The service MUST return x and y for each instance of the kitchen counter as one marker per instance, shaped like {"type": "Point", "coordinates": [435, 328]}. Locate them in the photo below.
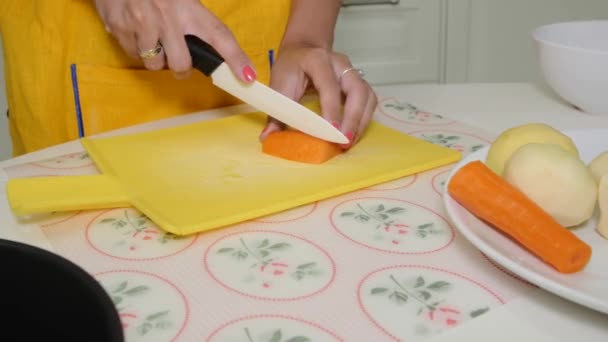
{"type": "Point", "coordinates": [531, 313]}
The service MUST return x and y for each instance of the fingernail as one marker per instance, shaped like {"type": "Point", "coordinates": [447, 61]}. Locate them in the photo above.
{"type": "Point", "coordinates": [349, 136]}
{"type": "Point", "coordinates": [264, 132]}
{"type": "Point", "coordinates": [249, 74]}
{"type": "Point", "coordinates": [155, 66]}
{"type": "Point", "coordinates": [336, 124]}
{"type": "Point", "coordinates": [181, 75]}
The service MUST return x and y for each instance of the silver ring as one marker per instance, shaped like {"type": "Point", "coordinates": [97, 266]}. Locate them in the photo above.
{"type": "Point", "coordinates": [359, 71]}
{"type": "Point", "coordinates": [147, 54]}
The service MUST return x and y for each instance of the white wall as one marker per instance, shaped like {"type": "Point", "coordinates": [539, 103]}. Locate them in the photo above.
{"type": "Point", "coordinates": [5, 141]}
{"type": "Point", "coordinates": [453, 40]}
{"type": "Point", "coordinates": [500, 47]}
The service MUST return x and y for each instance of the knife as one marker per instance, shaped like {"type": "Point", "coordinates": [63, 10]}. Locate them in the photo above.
{"type": "Point", "coordinates": [208, 61]}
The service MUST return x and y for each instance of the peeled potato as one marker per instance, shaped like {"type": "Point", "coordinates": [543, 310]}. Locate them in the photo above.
{"type": "Point", "coordinates": [602, 225]}
{"type": "Point", "coordinates": [599, 169]}
{"type": "Point", "coordinates": [513, 138]}
{"type": "Point", "coordinates": [557, 180]}
{"type": "Point", "coordinates": [599, 165]}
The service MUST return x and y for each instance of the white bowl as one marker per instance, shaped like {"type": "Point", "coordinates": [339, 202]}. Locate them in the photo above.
{"type": "Point", "coordinates": [573, 57]}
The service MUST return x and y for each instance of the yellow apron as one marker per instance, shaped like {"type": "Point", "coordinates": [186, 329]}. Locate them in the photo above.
{"type": "Point", "coordinates": [67, 77]}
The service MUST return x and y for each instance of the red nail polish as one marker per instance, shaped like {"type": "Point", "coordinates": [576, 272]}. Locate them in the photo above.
{"type": "Point", "coordinates": [349, 136]}
{"type": "Point", "coordinates": [336, 124]}
{"type": "Point", "coordinates": [249, 74]}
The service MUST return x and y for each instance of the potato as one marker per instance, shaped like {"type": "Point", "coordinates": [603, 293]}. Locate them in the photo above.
{"type": "Point", "coordinates": [513, 138]}
{"type": "Point", "coordinates": [599, 169]}
{"type": "Point", "coordinates": [599, 166]}
{"type": "Point", "coordinates": [557, 180]}
{"type": "Point", "coordinates": [602, 224]}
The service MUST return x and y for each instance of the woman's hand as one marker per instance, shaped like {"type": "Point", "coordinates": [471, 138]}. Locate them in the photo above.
{"type": "Point", "coordinates": [298, 67]}
{"type": "Point", "coordinates": [139, 25]}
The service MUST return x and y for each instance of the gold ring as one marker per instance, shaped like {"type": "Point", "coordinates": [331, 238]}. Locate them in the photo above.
{"type": "Point", "coordinates": [359, 71]}
{"type": "Point", "coordinates": [147, 54]}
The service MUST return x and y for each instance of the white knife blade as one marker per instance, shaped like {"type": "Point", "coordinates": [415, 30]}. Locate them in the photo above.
{"type": "Point", "coordinates": [261, 97]}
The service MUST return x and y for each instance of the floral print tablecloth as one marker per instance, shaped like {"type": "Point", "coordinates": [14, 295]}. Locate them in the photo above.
{"type": "Point", "coordinates": [379, 264]}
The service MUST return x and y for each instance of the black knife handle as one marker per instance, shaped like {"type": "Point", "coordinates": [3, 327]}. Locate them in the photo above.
{"type": "Point", "coordinates": [204, 57]}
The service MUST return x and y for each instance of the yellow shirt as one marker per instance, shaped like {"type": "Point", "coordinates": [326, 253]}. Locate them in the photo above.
{"type": "Point", "coordinates": [67, 77]}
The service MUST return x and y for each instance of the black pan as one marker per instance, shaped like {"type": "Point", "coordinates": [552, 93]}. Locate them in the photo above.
{"type": "Point", "coordinates": [44, 294]}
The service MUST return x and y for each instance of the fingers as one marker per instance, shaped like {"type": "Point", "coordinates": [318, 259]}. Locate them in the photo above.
{"type": "Point", "coordinates": [298, 67]}
{"type": "Point", "coordinates": [368, 113]}
{"type": "Point", "coordinates": [286, 84]}
{"type": "Point", "coordinates": [272, 125]}
{"type": "Point", "coordinates": [320, 71]}
{"type": "Point", "coordinates": [148, 44]}
{"type": "Point", "coordinates": [176, 51]}
{"type": "Point", "coordinates": [137, 27]}
{"type": "Point", "coordinates": [140, 25]}
{"type": "Point", "coordinates": [289, 79]}
{"type": "Point", "coordinates": [115, 25]}
{"type": "Point", "coordinates": [357, 97]}
{"type": "Point", "coordinates": [128, 42]}
{"type": "Point", "coordinates": [294, 70]}
{"type": "Point", "coordinates": [360, 100]}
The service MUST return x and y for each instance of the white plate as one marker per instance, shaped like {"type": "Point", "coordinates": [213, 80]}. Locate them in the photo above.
{"type": "Point", "coordinates": [588, 287]}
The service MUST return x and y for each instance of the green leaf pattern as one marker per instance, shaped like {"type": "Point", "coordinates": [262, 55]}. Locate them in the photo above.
{"type": "Point", "coordinates": [390, 221]}
{"type": "Point", "coordinates": [428, 297]}
{"type": "Point", "coordinates": [455, 142]}
{"type": "Point", "coordinates": [412, 113]}
{"type": "Point", "coordinates": [137, 229]}
{"type": "Point", "coordinates": [275, 336]}
{"type": "Point", "coordinates": [265, 259]}
{"type": "Point", "coordinates": [159, 320]}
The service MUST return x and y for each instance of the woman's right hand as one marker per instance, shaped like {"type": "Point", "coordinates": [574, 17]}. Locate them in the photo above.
{"type": "Point", "coordinates": [139, 25]}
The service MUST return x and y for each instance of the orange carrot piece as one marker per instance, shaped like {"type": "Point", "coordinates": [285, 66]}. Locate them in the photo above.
{"type": "Point", "coordinates": [497, 202]}
{"type": "Point", "coordinates": [298, 146]}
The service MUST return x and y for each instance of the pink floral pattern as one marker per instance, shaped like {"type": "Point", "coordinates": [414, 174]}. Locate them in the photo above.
{"type": "Point", "coordinates": [128, 234]}
{"type": "Point", "coordinates": [241, 283]}
{"type": "Point", "coordinates": [47, 220]}
{"type": "Point", "coordinates": [150, 307]}
{"type": "Point", "coordinates": [392, 225]}
{"type": "Point", "coordinates": [461, 142]}
{"type": "Point", "coordinates": [270, 265]}
{"type": "Point", "coordinates": [430, 299]}
{"type": "Point", "coordinates": [72, 164]}
{"type": "Point", "coordinates": [409, 113]}
{"type": "Point", "coordinates": [272, 328]}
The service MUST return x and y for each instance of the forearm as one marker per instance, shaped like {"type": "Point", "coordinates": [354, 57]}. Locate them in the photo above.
{"type": "Point", "coordinates": [312, 23]}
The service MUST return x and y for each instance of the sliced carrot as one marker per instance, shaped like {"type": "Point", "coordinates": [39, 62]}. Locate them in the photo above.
{"type": "Point", "coordinates": [298, 146]}
{"type": "Point", "coordinates": [495, 201]}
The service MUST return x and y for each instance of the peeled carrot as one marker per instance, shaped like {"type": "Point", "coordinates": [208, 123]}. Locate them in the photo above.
{"type": "Point", "coordinates": [497, 202]}
{"type": "Point", "coordinates": [298, 146]}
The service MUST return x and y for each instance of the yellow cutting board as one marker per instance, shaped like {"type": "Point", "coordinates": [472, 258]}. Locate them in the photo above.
{"type": "Point", "coordinates": [206, 175]}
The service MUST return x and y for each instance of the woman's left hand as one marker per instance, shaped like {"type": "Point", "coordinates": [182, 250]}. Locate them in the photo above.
{"type": "Point", "coordinates": [299, 67]}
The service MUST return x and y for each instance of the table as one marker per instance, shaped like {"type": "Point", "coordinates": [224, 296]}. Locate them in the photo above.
{"type": "Point", "coordinates": [516, 309]}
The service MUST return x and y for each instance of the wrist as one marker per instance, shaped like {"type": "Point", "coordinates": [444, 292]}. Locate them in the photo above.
{"type": "Point", "coordinates": [310, 27]}
{"type": "Point", "coordinates": [306, 43]}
